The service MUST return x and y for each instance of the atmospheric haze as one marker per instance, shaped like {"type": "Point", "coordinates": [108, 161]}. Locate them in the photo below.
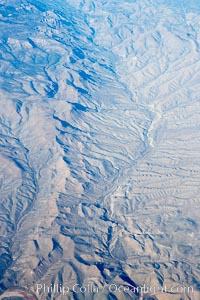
{"type": "Point", "coordinates": [100, 150]}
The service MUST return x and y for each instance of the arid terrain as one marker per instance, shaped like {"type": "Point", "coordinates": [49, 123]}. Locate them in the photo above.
{"type": "Point", "coordinates": [100, 150]}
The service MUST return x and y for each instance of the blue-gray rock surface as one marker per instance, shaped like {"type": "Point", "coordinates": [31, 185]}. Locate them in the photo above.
{"type": "Point", "coordinates": [100, 149]}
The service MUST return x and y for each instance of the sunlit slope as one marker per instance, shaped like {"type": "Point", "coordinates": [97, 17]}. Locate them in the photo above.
{"type": "Point", "coordinates": [99, 146]}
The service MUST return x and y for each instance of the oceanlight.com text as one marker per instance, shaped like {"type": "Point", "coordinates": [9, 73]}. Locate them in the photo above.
{"type": "Point", "coordinates": [114, 288]}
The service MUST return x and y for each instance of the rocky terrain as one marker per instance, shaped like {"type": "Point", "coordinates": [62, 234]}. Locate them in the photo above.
{"type": "Point", "coordinates": [99, 149]}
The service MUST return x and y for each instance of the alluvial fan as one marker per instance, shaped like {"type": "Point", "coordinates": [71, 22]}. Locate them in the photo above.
{"type": "Point", "coordinates": [99, 149]}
